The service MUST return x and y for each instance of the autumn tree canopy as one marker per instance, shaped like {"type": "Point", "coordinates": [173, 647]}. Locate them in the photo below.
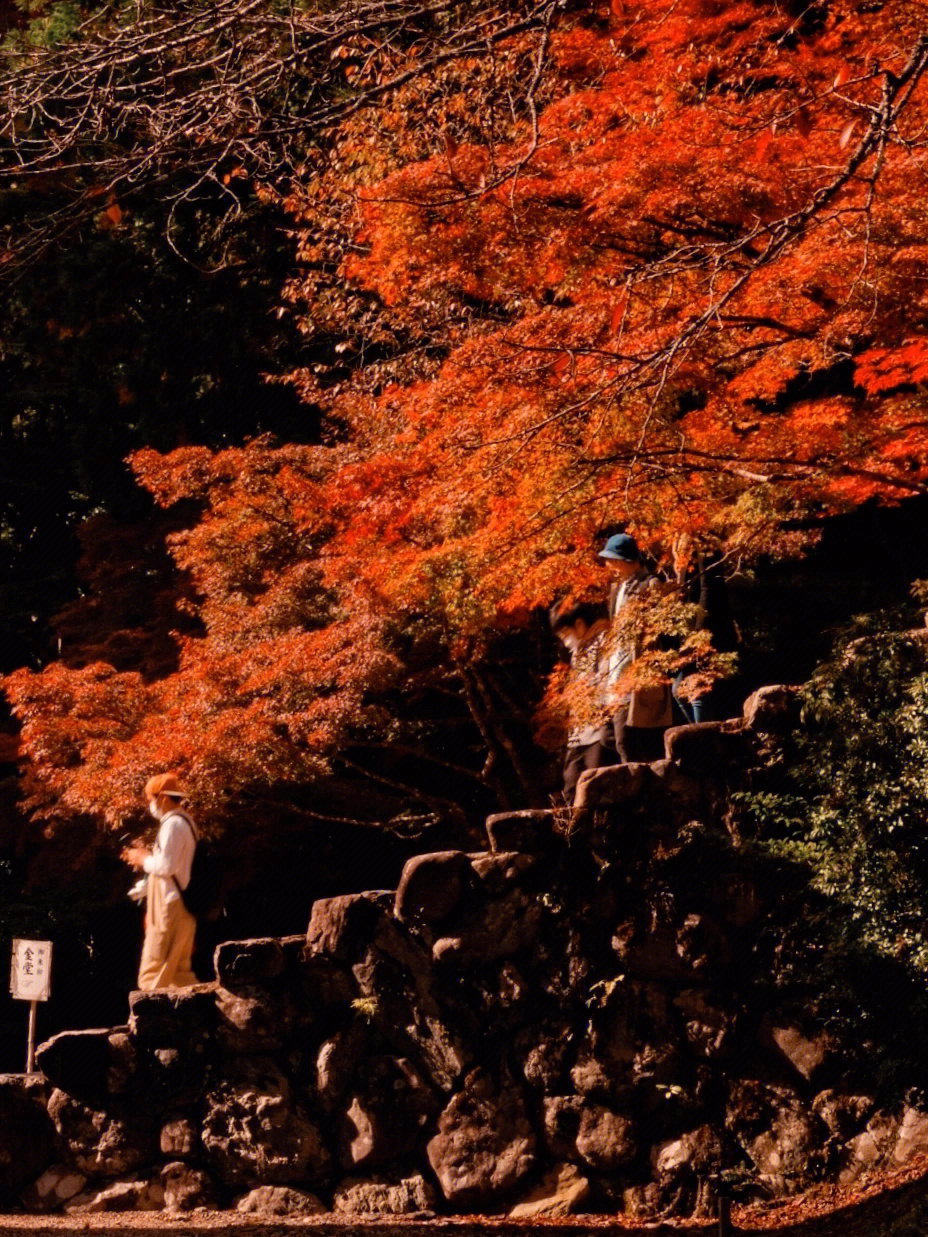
{"type": "Point", "coordinates": [659, 266]}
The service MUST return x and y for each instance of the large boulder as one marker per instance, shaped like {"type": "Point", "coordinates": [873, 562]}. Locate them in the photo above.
{"type": "Point", "coordinates": [80, 1063]}
{"type": "Point", "coordinates": [683, 1166]}
{"type": "Point", "coordinates": [55, 1187]}
{"type": "Point", "coordinates": [643, 1201]}
{"type": "Point", "coordinates": [179, 1139]}
{"type": "Point", "coordinates": [319, 984]}
{"type": "Point", "coordinates": [772, 709]}
{"type": "Point", "coordinates": [605, 1139]}
{"type": "Point", "coordinates": [256, 1133]}
{"type": "Point", "coordinates": [172, 1017]}
{"type": "Point", "coordinates": [403, 1196]}
{"type": "Point", "coordinates": [389, 1105]}
{"type": "Point", "coordinates": [871, 1150]}
{"type": "Point", "coordinates": [343, 927]}
{"type": "Point", "coordinates": [498, 871]}
{"type": "Point", "coordinates": [394, 976]}
{"type": "Point", "coordinates": [137, 1194]}
{"type": "Point", "coordinates": [485, 1145]}
{"type": "Point", "coordinates": [577, 1129]}
{"type": "Point", "coordinates": [500, 927]}
{"type": "Point", "coordinates": [186, 1187]}
{"type": "Point", "coordinates": [546, 1050]}
{"type": "Point", "coordinates": [888, 1141]}
{"type": "Point", "coordinates": [169, 1079]}
{"type": "Point", "coordinates": [646, 794]}
{"type": "Point", "coordinates": [100, 1144]}
{"type": "Point", "coordinates": [807, 1052]}
{"type": "Point", "coordinates": [843, 1115]}
{"type": "Point", "coordinates": [253, 1020]}
{"type": "Point", "coordinates": [26, 1133]}
{"type": "Point", "coordinates": [593, 1075]}
{"type": "Point", "coordinates": [243, 963]}
{"type": "Point", "coordinates": [279, 1200]}
{"type": "Point", "coordinates": [776, 1131]}
{"type": "Point", "coordinates": [624, 1017]}
{"type": "Point", "coordinates": [337, 1058]}
{"type": "Point", "coordinates": [123, 1064]}
{"type": "Point", "coordinates": [562, 1191]}
{"type": "Point", "coordinates": [667, 783]}
{"type": "Point", "coordinates": [432, 885]}
{"type": "Point", "coordinates": [615, 784]}
{"type": "Point", "coordinates": [913, 1135]}
{"type": "Point", "coordinates": [529, 831]}
{"type": "Point", "coordinates": [706, 748]}
{"type": "Point", "coordinates": [96, 1067]}
{"type": "Point", "coordinates": [785, 1155]}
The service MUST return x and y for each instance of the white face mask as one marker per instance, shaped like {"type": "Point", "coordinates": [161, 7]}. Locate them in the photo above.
{"type": "Point", "coordinates": [153, 808]}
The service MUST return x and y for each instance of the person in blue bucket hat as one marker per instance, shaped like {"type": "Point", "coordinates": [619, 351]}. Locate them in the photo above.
{"type": "Point", "coordinates": [622, 548]}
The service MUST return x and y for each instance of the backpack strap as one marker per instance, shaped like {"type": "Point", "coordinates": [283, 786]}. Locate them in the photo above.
{"type": "Point", "coordinates": [193, 833]}
{"type": "Point", "coordinates": [187, 821]}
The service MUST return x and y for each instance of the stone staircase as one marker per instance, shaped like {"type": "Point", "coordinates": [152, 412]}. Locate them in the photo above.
{"type": "Point", "coordinates": [572, 1021]}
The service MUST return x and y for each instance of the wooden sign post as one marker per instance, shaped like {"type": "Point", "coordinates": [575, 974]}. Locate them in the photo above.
{"type": "Point", "coordinates": [30, 980]}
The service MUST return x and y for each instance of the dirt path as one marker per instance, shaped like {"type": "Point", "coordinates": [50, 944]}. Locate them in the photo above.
{"type": "Point", "coordinates": [878, 1208]}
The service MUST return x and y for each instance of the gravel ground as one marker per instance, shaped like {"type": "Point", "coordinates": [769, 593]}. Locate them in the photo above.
{"type": "Point", "coordinates": [870, 1209]}
{"type": "Point", "coordinates": [154, 1224]}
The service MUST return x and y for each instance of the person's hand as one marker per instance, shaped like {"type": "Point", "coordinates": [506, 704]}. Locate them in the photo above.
{"type": "Point", "coordinates": [135, 856]}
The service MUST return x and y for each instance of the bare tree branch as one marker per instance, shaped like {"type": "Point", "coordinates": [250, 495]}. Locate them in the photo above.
{"type": "Point", "coordinates": [187, 97]}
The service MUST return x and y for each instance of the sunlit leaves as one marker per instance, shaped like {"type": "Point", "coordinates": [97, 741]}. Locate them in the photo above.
{"type": "Point", "coordinates": [680, 298]}
{"type": "Point", "coordinates": [884, 369]}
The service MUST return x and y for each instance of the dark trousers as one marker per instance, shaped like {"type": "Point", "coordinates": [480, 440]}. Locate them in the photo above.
{"type": "Point", "coordinates": [579, 759]}
{"type": "Point", "coordinates": [636, 743]}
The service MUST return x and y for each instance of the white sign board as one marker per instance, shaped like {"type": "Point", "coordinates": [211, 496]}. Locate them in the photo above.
{"type": "Point", "coordinates": [30, 978]}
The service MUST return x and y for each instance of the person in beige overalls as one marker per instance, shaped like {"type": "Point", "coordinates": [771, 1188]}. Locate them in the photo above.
{"type": "Point", "coordinates": [167, 954]}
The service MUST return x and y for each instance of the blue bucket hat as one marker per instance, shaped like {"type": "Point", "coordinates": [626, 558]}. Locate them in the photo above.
{"type": "Point", "coordinates": [621, 547]}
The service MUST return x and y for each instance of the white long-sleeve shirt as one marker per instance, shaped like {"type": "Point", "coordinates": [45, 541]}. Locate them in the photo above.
{"type": "Point", "coordinates": [173, 855]}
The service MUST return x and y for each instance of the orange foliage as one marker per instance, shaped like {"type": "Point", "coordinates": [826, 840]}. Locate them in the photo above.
{"type": "Point", "coordinates": [886, 369]}
{"type": "Point", "coordinates": [687, 297]}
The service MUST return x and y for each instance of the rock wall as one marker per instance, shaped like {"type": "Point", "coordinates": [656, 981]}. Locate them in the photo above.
{"type": "Point", "coordinates": [573, 1020]}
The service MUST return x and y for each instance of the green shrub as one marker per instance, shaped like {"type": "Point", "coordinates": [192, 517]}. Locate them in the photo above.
{"type": "Point", "coordinates": [852, 809]}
